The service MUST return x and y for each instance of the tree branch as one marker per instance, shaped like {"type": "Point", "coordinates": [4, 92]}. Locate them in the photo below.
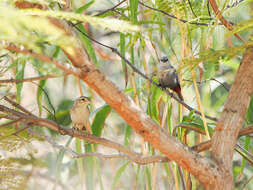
{"type": "Point", "coordinates": [222, 19]}
{"type": "Point", "coordinates": [31, 79]}
{"type": "Point", "coordinates": [110, 9]}
{"type": "Point", "coordinates": [136, 70]}
{"type": "Point", "coordinates": [172, 16]}
{"type": "Point", "coordinates": [207, 144]}
{"type": "Point", "coordinates": [232, 119]}
{"type": "Point", "coordinates": [32, 119]}
{"type": "Point", "coordinates": [140, 159]}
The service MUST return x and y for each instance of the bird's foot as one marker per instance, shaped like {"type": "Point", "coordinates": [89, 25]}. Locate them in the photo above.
{"type": "Point", "coordinates": [161, 86]}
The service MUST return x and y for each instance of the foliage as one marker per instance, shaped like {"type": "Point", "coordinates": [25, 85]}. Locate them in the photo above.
{"type": "Point", "coordinates": [142, 35]}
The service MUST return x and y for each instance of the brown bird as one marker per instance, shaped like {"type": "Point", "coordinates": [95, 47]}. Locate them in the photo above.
{"type": "Point", "coordinates": [168, 77]}
{"type": "Point", "coordinates": [80, 114]}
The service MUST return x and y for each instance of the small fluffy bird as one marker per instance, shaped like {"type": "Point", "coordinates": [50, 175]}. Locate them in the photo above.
{"type": "Point", "coordinates": [80, 114]}
{"type": "Point", "coordinates": [168, 77]}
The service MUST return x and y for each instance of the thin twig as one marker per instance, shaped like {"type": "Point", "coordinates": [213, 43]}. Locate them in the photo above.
{"type": "Point", "coordinates": [209, 80]}
{"type": "Point", "coordinates": [191, 8]}
{"type": "Point", "coordinates": [207, 144]}
{"type": "Point", "coordinates": [234, 4]}
{"type": "Point", "coordinates": [247, 182]}
{"type": "Point", "coordinates": [30, 119]}
{"type": "Point", "coordinates": [27, 79]}
{"type": "Point", "coordinates": [188, 127]}
{"type": "Point", "coordinates": [142, 160]}
{"type": "Point", "coordinates": [10, 123]}
{"type": "Point", "coordinates": [49, 102]}
{"type": "Point", "coordinates": [17, 105]}
{"type": "Point", "coordinates": [68, 69]}
{"type": "Point", "coordinates": [110, 9]}
{"type": "Point", "coordinates": [174, 17]}
{"type": "Point", "coordinates": [208, 9]}
{"type": "Point", "coordinates": [130, 155]}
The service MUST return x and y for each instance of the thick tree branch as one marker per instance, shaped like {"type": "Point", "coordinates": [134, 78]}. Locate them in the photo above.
{"type": "Point", "coordinates": [232, 119]}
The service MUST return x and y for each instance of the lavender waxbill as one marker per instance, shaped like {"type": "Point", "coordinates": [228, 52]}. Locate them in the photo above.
{"type": "Point", "coordinates": [168, 77]}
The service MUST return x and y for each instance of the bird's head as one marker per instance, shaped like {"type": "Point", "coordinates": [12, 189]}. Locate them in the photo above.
{"type": "Point", "coordinates": [164, 64]}
{"type": "Point", "coordinates": [83, 100]}
{"type": "Point", "coordinates": [164, 59]}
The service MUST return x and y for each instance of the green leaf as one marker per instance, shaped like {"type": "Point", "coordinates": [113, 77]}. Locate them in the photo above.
{"type": "Point", "coordinates": [118, 175]}
{"type": "Point", "coordinates": [196, 122]}
{"type": "Point", "coordinates": [123, 52]}
{"type": "Point", "coordinates": [40, 92]}
{"type": "Point", "coordinates": [62, 113]}
{"type": "Point", "coordinates": [128, 131]}
{"type": "Point", "coordinates": [246, 147]}
{"type": "Point", "coordinates": [87, 43]}
{"type": "Point", "coordinates": [80, 165]}
{"type": "Point", "coordinates": [148, 175]}
{"type": "Point", "coordinates": [249, 115]}
{"type": "Point", "coordinates": [99, 120]}
{"type": "Point", "coordinates": [59, 159]}
{"type": "Point", "coordinates": [84, 7]}
{"type": "Point", "coordinates": [157, 94]}
{"type": "Point", "coordinates": [133, 10]}
{"type": "Point", "coordinates": [20, 68]}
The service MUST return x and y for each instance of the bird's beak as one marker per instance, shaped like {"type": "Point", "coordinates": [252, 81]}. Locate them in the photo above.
{"type": "Point", "coordinates": [89, 100]}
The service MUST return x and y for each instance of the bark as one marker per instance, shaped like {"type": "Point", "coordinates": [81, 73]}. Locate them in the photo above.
{"type": "Point", "coordinates": [232, 120]}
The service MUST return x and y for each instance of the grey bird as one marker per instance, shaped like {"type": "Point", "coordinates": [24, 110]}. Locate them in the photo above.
{"type": "Point", "coordinates": [80, 114]}
{"type": "Point", "coordinates": [168, 77]}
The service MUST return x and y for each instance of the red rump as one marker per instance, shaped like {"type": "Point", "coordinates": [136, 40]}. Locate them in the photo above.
{"type": "Point", "coordinates": [178, 91]}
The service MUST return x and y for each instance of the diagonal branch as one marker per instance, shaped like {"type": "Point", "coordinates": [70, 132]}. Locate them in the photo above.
{"type": "Point", "coordinates": [110, 9]}
{"type": "Point", "coordinates": [136, 70]}
{"type": "Point", "coordinates": [222, 19]}
{"type": "Point", "coordinates": [172, 16]}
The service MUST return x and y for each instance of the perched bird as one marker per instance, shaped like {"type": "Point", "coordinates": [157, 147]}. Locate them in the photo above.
{"type": "Point", "coordinates": [80, 114]}
{"type": "Point", "coordinates": [168, 77]}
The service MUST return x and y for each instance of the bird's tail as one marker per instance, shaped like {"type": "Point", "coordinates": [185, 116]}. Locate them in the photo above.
{"type": "Point", "coordinates": [178, 91]}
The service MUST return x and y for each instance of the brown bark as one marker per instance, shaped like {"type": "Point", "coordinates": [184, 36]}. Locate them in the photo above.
{"type": "Point", "coordinates": [232, 119]}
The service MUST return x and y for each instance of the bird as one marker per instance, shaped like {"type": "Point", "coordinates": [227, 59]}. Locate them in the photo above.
{"type": "Point", "coordinates": [168, 77]}
{"type": "Point", "coordinates": [79, 114]}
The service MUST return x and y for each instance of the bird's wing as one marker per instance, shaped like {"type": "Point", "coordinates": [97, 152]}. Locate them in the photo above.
{"type": "Point", "coordinates": [87, 124]}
